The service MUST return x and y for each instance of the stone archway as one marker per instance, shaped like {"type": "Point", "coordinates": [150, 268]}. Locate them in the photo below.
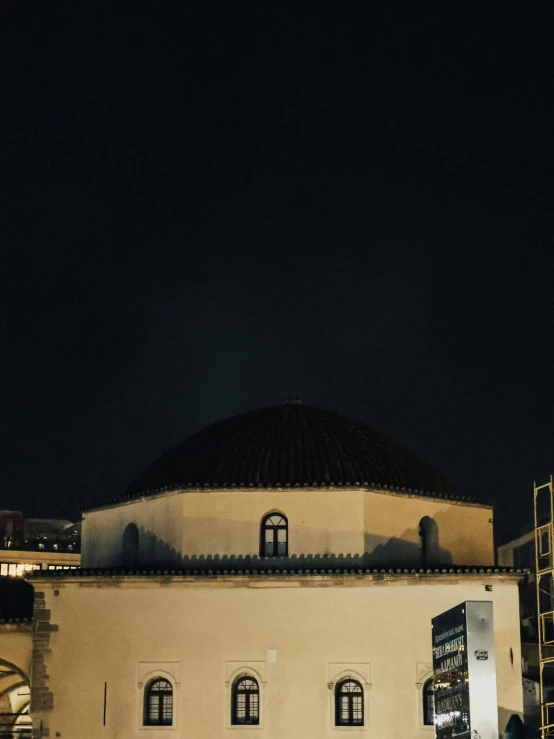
{"type": "Point", "coordinates": [15, 697]}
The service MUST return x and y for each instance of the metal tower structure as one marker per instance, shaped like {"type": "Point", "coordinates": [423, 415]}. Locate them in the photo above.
{"type": "Point", "coordinates": [544, 572]}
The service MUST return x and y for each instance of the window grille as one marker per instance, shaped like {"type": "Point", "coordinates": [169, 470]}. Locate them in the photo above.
{"type": "Point", "coordinates": [428, 703]}
{"type": "Point", "coordinates": [349, 703]}
{"type": "Point", "coordinates": [16, 725]}
{"type": "Point", "coordinates": [158, 703]}
{"type": "Point", "coordinates": [274, 536]}
{"type": "Point", "coordinates": [245, 701]}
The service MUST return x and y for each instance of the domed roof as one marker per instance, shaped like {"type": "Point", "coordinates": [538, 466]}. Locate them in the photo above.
{"type": "Point", "coordinates": [290, 445]}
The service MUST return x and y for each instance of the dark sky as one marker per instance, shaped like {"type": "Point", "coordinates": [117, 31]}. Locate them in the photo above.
{"type": "Point", "coordinates": [208, 211]}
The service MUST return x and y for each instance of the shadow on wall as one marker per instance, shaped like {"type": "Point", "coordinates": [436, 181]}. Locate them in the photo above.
{"type": "Point", "coordinates": [425, 551]}
{"type": "Point", "coordinates": [417, 547]}
{"type": "Point", "coordinates": [130, 546]}
{"type": "Point", "coordinates": [381, 551]}
{"type": "Point", "coordinates": [142, 548]}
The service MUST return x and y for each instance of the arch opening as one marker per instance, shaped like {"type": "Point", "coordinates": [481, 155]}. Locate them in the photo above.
{"type": "Point", "coordinates": [130, 546]}
{"type": "Point", "coordinates": [429, 541]}
{"type": "Point", "coordinates": [349, 703]}
{"type": "Point", "coordinates": [158, 703]}
{"type": "Point", "coordinates": [274, 535]}
{"type": "Point", "coordinates": [245, 708]}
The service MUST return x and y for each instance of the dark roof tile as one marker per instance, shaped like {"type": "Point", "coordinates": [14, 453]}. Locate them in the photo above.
{"type": "Point", "coordinates": [290, 445]}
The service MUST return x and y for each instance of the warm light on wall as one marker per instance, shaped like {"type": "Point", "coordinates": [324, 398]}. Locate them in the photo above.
{"type": "Point", "coordinates": [17, 569]}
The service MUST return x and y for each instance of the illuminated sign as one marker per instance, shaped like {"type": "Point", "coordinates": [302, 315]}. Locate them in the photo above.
{"type": "Point", "coordinates": [465, 673]}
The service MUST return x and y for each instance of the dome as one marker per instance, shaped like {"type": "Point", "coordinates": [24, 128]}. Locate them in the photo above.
{"type": "Point", "coordinates": [290, 445]}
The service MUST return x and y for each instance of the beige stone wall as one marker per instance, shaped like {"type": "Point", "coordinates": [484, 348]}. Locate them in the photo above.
{"type": "Point", "coordinates": [465, 531]}
{"type": "Point", "coordinates": [321, 521]}
{"type": "Point", "coordinates": [296, 634]}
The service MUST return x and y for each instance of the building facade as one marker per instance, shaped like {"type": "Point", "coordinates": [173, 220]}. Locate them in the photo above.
{"type": "Point", "coordinates": [274, 575]}
{"type": "Point", "coordinates": [28, 544]}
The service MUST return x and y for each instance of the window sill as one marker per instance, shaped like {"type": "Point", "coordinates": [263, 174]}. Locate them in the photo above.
{"type": "Point", "coordinates": [243, 727]}
{"type": "Point", "coordinates": [349, 726]}
{"type": "Point", "coordinates": [158, 728]}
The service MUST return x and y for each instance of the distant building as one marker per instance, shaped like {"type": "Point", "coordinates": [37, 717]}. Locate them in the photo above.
{"type": "Point", "coordinates": [275, 575]}
{"type": "Point", "coordinates": [520, 553]}
{"type": "Point", "coordinates": [25, 545]}
{"type": "Point", "coordinates": [28, 544]}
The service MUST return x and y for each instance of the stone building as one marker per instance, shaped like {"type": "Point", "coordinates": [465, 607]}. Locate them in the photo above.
{"type": "Point", "coordinates": [275, 575]}
{"type": "Point", "coordinates": [26, 544]}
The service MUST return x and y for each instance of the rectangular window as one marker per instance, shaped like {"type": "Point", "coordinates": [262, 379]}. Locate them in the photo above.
{"type": "Point", "coordinates": [429, 709]}
{"type": "Point", "coordinates": [357, 712]}
{"type": "Point", "coordinates": [344, 708]}
{"type": "Point", "coordinates": [253, 705]}
{"type": "Point", "coordinates": [241, 705]}
{"type": "Point", "coordinates": [167, 709]}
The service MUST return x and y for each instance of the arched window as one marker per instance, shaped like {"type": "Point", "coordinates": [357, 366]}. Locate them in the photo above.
{"type": "Point", "coordinates": [428, 694]}
{"type": "Point", "coordinates": [349, 703]}
{"type": "Point", "coordinates": [158, 703]}
{"type": "Point", "coordinates": [130, 545]}
{"type": "Point", "coordinates": [429, 538]}
{"type": "Point", "coordinates": [274, 536]}
{"type": "Point", "coordinates": [245, 708]}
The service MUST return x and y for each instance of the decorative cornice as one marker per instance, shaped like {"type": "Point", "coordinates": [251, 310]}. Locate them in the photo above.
{"type": "Point", "coordinates": [223, 487]}
{"type": "Point", "coordinates": [270, 571]}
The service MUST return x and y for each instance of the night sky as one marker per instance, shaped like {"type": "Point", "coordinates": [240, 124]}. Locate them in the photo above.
{"type": "Point", "coordinates": [208, 211]}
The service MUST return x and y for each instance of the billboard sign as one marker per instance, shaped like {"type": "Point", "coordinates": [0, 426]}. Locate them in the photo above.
{"type": "Point", "coordinates": [464, 673]}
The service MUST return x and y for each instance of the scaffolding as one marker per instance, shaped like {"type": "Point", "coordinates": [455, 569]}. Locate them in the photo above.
{"type": "Point", "coordinates": [544, 569]}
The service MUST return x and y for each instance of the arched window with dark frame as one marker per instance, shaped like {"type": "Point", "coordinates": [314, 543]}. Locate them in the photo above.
{"type": "Point", "coordinates": [158, 703]}
{"type": "Point", "coordinates": [245, 701]}
{"type": "Point", "coordinates": [130, 545]}
{"type": "Point", "coordinates": [428, 696]}
{"type": "Point", "coordinates": [274, 536]}
{"type": "Point", "coordinates": [429, 540]}
{"type": "Point", "coordinates": [349, 703]}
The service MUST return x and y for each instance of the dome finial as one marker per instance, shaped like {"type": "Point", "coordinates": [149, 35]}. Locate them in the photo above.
{"type": "Point", "coordinates": [292, 401]}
